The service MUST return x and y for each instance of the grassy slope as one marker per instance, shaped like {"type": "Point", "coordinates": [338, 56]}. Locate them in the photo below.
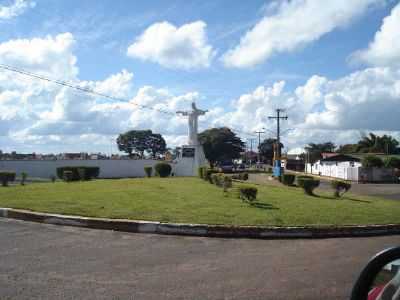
{"type": "Point", "coordinates": [192, 200]}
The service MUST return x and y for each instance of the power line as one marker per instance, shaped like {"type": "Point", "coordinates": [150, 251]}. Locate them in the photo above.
{"type": "Point", "coordinates": [81, 89]}
{"type": "Point", "coordinates": [92, 92]}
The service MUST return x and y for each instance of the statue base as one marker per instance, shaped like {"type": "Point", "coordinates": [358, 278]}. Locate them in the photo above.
{"type": "Point", "coordinates": [189, 160]}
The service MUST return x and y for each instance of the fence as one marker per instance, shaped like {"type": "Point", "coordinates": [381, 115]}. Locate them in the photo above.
{"type": "Point", "coordinates": [352, 173]}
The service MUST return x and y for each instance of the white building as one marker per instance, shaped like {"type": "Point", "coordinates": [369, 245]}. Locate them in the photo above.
{"type": "Point", "coordinates": [348, 167]}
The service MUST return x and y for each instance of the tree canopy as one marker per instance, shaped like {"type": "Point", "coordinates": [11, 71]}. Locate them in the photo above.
{"type": "Point", "coordinates": [372, 143]}
{"type": "Point", "coordinates": [266, 149]}
{"type": "Point", "coordinates": [140, 141]}
{"type": "Point", "coordinates": [220, 144]}
{"type": "Point", "coordinates": [315, 150]}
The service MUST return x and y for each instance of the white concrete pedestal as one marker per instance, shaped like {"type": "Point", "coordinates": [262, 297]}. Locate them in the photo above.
{"type": "Point", "coordinates": [190, 159]}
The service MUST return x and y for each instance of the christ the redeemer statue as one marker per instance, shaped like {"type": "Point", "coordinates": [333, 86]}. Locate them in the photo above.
{"type": "Point", "coordinates": [193, 123]}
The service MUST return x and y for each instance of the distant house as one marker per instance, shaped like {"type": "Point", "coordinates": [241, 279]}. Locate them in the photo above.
{"type": "Point", "coordinates": [80, 155]}
{"type": "Point", "coordinates": [349, 167]}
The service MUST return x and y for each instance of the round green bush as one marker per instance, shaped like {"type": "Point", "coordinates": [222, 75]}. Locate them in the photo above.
{"type": "Point", "coordinates": [24, 175]}
{"type": "Point", "coordinates": [79, 172]}
{"type": "Point", "coordinates": [68, 176]}
{"type": "Point", "coordinates": [288, 179]}
{"type": "Point", "coordinates": [372, 161]}
{"type": "Point", "coordinates": [308, 184]}
{"type": "Point", "coordinates": [340, 187]}
{"type": "Point", "coordinates": [148, 170]}
{"type": "Point", "coordinates": [248, 193]}
{"type": "Point", "coordinates": [163, 169]}
{"type": "Point", "coordinates": [207, 174]}
{"type": "Point", "coordinates": [201, 172]}
{"type": "Point", "coordinates": [6, 176]}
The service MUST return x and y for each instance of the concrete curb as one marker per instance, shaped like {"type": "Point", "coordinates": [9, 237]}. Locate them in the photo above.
{"type": "Point", "coordinates": [201, 229]}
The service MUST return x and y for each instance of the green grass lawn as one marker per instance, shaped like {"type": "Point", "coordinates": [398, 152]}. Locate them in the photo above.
{"type": "Point", "coordinates": [191, 200]}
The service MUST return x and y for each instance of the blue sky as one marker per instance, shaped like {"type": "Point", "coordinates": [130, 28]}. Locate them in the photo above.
{"type": "Point", "coordinates": [329, 50]}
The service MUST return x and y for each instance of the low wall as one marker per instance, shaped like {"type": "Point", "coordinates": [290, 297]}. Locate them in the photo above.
{"type": "Point", "coordinates": [352, 173]}
{"type": "Point", "coordinates": [108, 168]}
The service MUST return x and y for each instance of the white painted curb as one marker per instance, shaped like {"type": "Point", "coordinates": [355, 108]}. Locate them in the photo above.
{"type": "Point", "coordinates": [203, 229]}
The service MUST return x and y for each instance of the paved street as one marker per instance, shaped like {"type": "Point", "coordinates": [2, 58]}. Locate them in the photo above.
{"type": "Point", "coordinates": [40, 261]}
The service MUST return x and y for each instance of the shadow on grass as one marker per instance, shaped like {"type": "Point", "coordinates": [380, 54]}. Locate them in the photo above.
{"type": "Point", "coordinates": [356, 200]}
{"type": "Point", "coordinates": [262, 205]}
{"type": "Point", "coordinates": [340, 198]}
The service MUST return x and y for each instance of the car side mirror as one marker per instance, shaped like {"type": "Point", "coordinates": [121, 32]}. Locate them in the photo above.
{"type": "Point", "coordinates": [380, 279]}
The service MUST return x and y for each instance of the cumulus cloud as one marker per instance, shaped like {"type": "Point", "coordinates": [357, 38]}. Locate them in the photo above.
{"type": "Point", "coordinates": [15, 9]}
{"type": "Point", "coordinates": [384, 50]}
{"type": "Point", "coordinates": [323, 109]}
{"type": "Point", "coordinates": [34, 112]}
{"type": "Point", "coordinates": [50, 56]}
{"type": "Point", "coordinates": [173, 47]}
{"type": "Point", "coordinates": [291, 25]}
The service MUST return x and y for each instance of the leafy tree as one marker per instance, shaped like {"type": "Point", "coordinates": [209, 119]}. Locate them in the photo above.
{"type": "Point", "coordinates": [220, 144]}
{"type": "Point", "coordinates": [372, 161]}
{"type": "Point", "coordinates": [377, 144]}
{"type": "Point", "coordinates": [140, 141]}
{"type": "Point", "coordinates": [372, 144]}
{"type": "Point", "coordinates": [348, 148]}
{"type": "Point", "coordinates": [266, 149]}
{"type": "Point", "coordinates": [392, 162]}
{"type": "Point", "coordinates": [315, 150]}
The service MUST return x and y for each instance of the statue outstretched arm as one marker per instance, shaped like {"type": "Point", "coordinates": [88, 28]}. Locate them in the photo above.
{"type": "Point", "coordinates": [183, 113]}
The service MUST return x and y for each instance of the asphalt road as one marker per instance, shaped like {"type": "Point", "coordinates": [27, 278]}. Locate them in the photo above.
{"type": "Point", "coordinates": [40, 261]}
{"type": "Point", "coordinates": [389, 191]}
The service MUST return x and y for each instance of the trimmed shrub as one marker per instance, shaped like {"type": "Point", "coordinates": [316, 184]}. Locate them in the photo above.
{"type": "Point", "coordinates": [68, 176]}
{"type": "Point", "coordinates": [288, 179]}
{"type": "Point", "coordinates": [214, 178]}
{"type": "Point", "coordinates": [248, 193]}
{"type": "Point", "coordinates": [148, 170]}
{"type": "Point", "coordinates": [87, 174]}
{"type": "Point", "coordinates": [6, 176]}
{"type": "Point", "coordinates": [201, 172]}
{"type": "Point", "coordinates": [24, 175]}
{"type": "Point", "coordinates": [308, 184]}
{"type": "Point", "coordinates": [82, 173]}
{"type": "Point", "coordinates": [221, 180]}
{"type": "Point", "coordinates": [340, 187]}
{"type": "Point", "coordinates": [372, 161]}
{"type": "Point", "coordinates": [217, 179]}
{"type": "Point", "coordinates": [240, 176]}
{"type": "Point", "coordinates": [392, 162]}
{"type": "Point", "coordinates": [300, 177]}
{"type": "Point", "coordinates": [207, 174]}
{"type": "Point", "coordinates": [227, 183]}
{"type": "Point", "coordinates": [162, 169]}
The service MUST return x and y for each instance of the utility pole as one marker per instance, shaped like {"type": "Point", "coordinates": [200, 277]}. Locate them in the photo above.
{"type": "Point", "coordinates": [259, 143]}
{"type": "Point", "coordinates": [278, 118]}
{"type": "Point", "coordinates": [251, 140]}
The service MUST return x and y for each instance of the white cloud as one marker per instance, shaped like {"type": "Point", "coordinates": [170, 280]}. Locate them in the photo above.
{"type": "Point", "coordinates": [173, 47]}
{"type": "Point", "coordinates": [15, 9]}
{"type": "Point", "coordinates": [48, 116]}
{"type": "Point", "coordinates": [293, 24]}
{"type": "Point", "coordinates": [384, 50]}
{"type": "Point", "coordinates": [50, 56]}
{"type": "Point", "coordinates": [323, 109]}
